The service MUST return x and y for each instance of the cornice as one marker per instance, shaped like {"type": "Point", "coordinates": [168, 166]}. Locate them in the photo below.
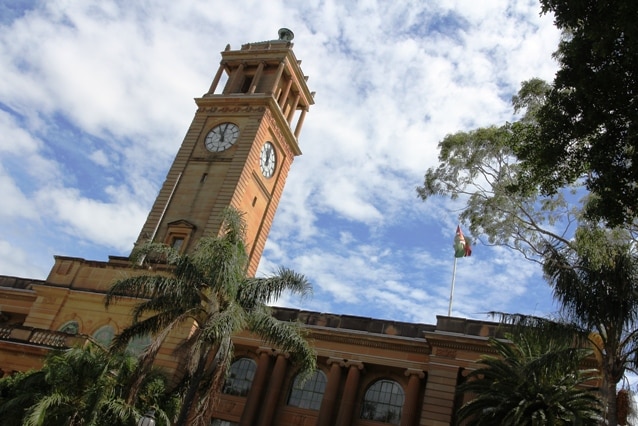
{"type": "Point", "coordinates": [458, 342]}
{"type": "Point", "coordinates": [240, 109]}
{"type": "Point", "coordinates": [388, 342]}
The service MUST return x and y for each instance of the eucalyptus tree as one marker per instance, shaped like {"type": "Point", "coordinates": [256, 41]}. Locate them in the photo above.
{"type": "Point", "coordinates": [481, 170]}
{"type": "Point", "coordinates": [532, 380]}
{"type": "Point", "coordinates": [207, 292]}
{"type": "Point", "coordinates": [504, 204]}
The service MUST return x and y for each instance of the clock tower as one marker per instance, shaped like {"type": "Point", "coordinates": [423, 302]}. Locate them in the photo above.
{"type": "Point", "coordinates": [238, 149]}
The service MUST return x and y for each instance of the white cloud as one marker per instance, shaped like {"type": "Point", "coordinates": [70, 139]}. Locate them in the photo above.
{"type": "Point", "coordinates": [14, 261]}
{"type": "Point", "coordinates": [114, 225]}
{"type": "Point", "coordinates": [96, 97]}
{"type": "Point", "coordinates": [15, 203]}
{"type": "Point", "coordinates": [99, 158]}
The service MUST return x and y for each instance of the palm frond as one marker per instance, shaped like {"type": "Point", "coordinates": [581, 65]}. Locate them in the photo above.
{"type": "Point", "coordinates": [535, 379]}
{"type": "Point", "coordinates": [139, 286]}
{"type": "Point", "coordinates": [224, 323]}
{"type": "Point", "coordinates": [287, 336]}
{"type": "Point", "coordinates": [150, 252]}
{"type": "Point", "coordinates": [221, 262]}
{"type": "Point", "coordinates": [556, 328]}
{"type": "Point", "coordinates": [208, 286]}
{"type": "Point", "coordinates": [266, 290]}
{"type": "Point", "coordinates": [39, 412]}
{"type": "Point", "coordinates": [168, 305]}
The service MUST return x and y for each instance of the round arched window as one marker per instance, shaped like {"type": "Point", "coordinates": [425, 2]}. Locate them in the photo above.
{"type": "Point", "coordinates": [240, 377]}
{"type": "Point", "coordinates": [70, 327]}
{"type": "Point", "coordinates": [104, 335]}
{"type": "Point", "coordinates": [137, 345]}
{"type": "Point", "coordinates": [383, 402]}
{"type": "Point", "coordinates": [308, 394]}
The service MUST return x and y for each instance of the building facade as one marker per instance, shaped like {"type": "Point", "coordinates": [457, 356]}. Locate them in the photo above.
{"type": "Point", "coordinates": [237, 152]}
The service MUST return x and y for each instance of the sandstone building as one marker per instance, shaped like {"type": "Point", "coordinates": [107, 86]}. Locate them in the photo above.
{"type": "Point", "coordinates": [238, 151]}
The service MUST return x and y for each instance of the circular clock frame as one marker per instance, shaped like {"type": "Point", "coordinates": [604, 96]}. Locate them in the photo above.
{"type": "Point", "coordinates": [268, 160]}
{"type": "Point", "coordinates": [222, 137]}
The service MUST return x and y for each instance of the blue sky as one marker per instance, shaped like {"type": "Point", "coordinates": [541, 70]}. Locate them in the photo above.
{"type": "Point", "coordinates": [96, 98]}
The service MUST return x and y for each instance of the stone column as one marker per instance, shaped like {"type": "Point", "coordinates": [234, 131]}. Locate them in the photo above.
{"type": "Point", "coordinates": [215, 82]}
{"type": "Point", "coordinates": [233, 79]}
{"type": "Point", "coordinates": [411, 404]}
{"type": "Point", "coordinates": [330, 394]}
{"type": "Point", "coordinates": [278, 74]}
{"type": "Point", "coordinates": [300, 122]}
{"type": "Point", "coordinates": [256, 78]}
{"type": "Point", "coordinates": [274, 390]}
{"type": "Point", "coordinates": [293, 108]}
{"type": "Point", "coordinates": [284, 94]}
{"type": "Point", "coordinates": [254, 395]}
{"type": "Point", "coordinates": [346, 409]}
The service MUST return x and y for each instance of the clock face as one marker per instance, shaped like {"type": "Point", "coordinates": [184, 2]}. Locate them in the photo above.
{"type": "Point", "coordinates": [267, 160]}
{"type": "Point", "coordinates": [222, 137]}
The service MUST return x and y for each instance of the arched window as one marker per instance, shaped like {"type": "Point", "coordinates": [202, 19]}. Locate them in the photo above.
{"type": "Point", "coordinates": [137, 345]}
{"type": "Point", "coordinates": [104, 335]}
{"type": "Point", "coordinates": [383, 402]}
{"type": "Point", "coordinates": [70, 327]}
{"type": "Point", "coordinates": [240, 377]}
{"type": "Point", "coordinates": [309, 393]}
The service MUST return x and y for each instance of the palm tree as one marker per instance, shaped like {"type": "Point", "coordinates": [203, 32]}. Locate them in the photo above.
{"type": "Point", "coordinates": [79, 386]}
{"type": "Point", "coordinates": [533, 380]}
{"type": "Point", "coordinates": [207, 290]}
{"type": "Point", "coordinates": [596, 284]}
{"type": "Point", "coordinates": [595, 281]}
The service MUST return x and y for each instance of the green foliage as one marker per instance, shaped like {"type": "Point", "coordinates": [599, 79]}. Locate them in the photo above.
{"type": "Point", "coordinates": [596, 283]}
{"type": "Point", "coordinates": [588, 122]}
{"type": "Point", "coordinates": [208, 289]}
{"type": "Point", "coordinates": [577, 136]}
{"type": "Point", "coordinates": [533, 380]}
{"type": "Point", "coordinates": [481, 168]}
{"type": "Point", "coordinates": [18, 392]}
{"type": "Point", "coordinates": [80, 386]}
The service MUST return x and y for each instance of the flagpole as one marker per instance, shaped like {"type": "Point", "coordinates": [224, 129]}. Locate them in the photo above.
{"type": "Point", "coordinates": [449, 309]}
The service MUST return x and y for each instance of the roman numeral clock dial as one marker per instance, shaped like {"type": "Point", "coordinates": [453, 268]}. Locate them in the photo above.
{"type": "Point", "coordinates": [222, 137]}
{"type": "Point", "coordinates": [267, 160]}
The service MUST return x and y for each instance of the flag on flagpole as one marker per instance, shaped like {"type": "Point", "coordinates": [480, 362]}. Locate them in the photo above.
{"type": "Point", "coordinates": [461, 247]}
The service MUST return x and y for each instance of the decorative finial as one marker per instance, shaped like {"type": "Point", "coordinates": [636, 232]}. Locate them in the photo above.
{"type": "Point", "coordinates": [285, 34]}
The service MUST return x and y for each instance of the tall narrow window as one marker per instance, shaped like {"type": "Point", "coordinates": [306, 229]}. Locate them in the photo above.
{"type": "Point", "coordinates": [383, 402]}
{"type": "Point", "coordinates": [179, 234]}
{"type": "Point", "coordinates": [240, 377]}
{"type": "Point", "coordinates": [309, 393]}
{"type": "Point", "coordinates": [177, 243]}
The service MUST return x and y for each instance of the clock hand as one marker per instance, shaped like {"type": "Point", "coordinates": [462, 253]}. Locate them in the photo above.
{"type": "Point", "coordinates": [224, 132]}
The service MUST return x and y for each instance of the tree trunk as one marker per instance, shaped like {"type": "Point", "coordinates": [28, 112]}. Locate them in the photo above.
{"type": "Point", "coordinates": [609, 387]}
{"type": "Point", "coordinates": [191, 392]}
